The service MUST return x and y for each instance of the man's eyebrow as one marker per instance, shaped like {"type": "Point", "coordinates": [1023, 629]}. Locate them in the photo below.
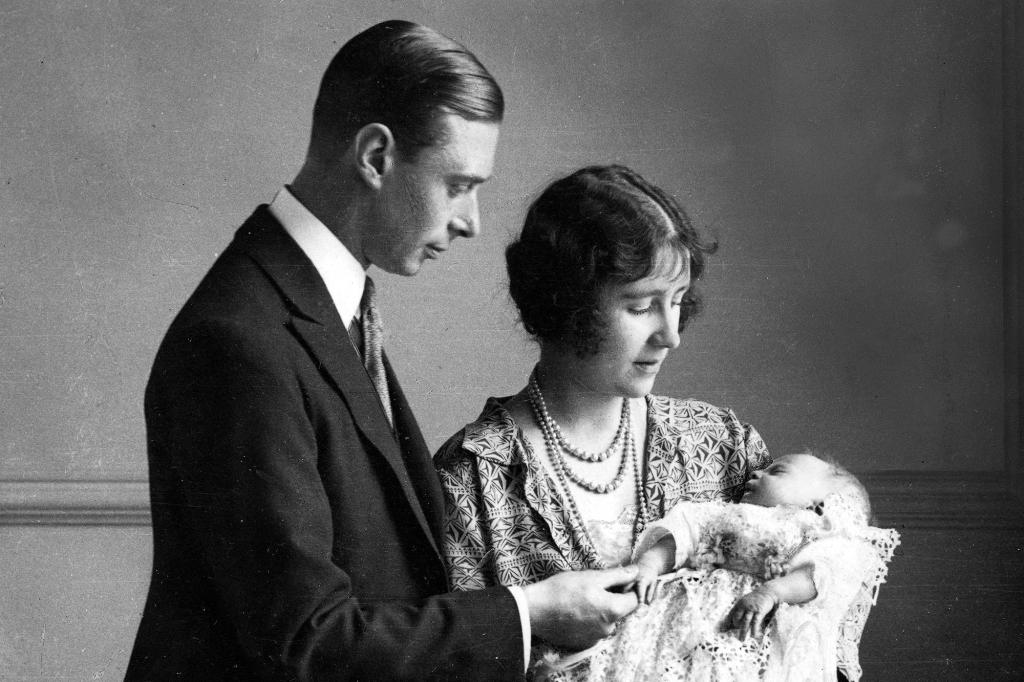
{"type": "Point", "coordinates": [470, 178]}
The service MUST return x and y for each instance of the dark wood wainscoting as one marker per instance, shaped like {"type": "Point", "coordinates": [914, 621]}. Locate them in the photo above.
{"type": "Point", "coordinates": [953, 606]}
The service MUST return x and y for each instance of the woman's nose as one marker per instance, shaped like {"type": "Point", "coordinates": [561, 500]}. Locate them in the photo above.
{"type": "Point", "coordinates": [668, 335]}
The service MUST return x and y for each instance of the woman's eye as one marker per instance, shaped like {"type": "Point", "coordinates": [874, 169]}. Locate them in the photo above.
{"type": "Point", "coordinates": [640, 311]}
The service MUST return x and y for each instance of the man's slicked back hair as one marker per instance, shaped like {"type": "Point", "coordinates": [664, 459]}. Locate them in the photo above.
{"type": "Point", "coordinates": [404, 76]}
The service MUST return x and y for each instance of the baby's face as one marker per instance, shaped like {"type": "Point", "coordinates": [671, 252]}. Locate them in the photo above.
{"type": "Point", "coordinates": [800, 480]}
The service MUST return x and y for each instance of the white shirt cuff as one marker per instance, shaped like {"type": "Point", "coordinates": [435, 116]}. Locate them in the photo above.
{"type": "Point", "coordinates": [524, 621]}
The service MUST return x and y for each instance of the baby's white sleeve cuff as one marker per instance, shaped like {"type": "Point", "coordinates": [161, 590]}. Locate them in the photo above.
{"type": "Point", "coordinates": [675, 524]}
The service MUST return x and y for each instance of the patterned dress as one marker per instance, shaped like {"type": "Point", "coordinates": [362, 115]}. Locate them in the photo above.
{"type": "Point", "coordinates": [506, 522]}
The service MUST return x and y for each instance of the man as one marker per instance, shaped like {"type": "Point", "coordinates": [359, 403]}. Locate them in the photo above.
{"type": "Point", "coordinates": [296, 513]}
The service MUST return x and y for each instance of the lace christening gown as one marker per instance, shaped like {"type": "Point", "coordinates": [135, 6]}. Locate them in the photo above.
{"type": "Point", "coordinates": [681, 635]}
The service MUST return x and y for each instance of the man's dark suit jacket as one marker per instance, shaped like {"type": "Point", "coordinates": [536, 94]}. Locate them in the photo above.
{"type": "Point", "coordinates": [295, 536]}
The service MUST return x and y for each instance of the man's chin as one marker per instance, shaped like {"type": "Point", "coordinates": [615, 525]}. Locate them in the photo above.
{"type": "Point", "coordinates": [408, 272]}
{"type": "Point", "coordinates": [403, 268]}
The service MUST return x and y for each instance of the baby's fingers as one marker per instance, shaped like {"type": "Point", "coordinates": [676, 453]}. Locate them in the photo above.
{"type": "Point", "coordinates": [757, 625]}
{"type": "Point", "coordinates": [739, 619]}
{"type": "Point", "coordinates": [776, 568]}
{"type": "Point", "coordinates": [747, 624]}
{"type": "Point", "coordinates": [645, 590]}
{"type": "Point", "coordinates": [652, 590]}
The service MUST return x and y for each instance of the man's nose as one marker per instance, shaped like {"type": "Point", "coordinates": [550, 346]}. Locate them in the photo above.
{"type": "Point", "coordinates": [466, 222]}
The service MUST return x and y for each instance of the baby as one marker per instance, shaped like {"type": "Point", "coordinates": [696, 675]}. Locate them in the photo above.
{"type": "Point", "coordinates": [775, 587]}
{"type": "Point", "coordinates": [799, 481]}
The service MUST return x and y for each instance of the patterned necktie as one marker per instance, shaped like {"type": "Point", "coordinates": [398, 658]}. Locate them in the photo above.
{"type": "Point", "coordinates": [373, 343]}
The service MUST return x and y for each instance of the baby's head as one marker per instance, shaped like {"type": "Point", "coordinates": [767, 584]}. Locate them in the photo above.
{"type": "Point", "coordinates": [803, 480]}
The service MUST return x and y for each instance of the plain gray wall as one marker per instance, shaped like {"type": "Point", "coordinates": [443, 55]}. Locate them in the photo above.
{"type": "Point", "coordinates": [846, 155]}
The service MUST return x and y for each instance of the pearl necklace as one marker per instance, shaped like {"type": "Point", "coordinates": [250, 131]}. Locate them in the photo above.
{"type": "Point", "coordinates": [561, 473]}
{"type": "Point", "coordinates": [552, 426]}
{"type": "Point", "coordinates": [555, 448]}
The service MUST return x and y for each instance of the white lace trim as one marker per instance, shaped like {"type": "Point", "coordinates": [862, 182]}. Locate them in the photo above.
{"type": "Point", "coordinates": [680, 635]}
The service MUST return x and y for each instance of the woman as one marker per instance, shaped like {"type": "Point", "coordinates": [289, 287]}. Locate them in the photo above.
{"type": "Point", "coordinates": [565, 474]}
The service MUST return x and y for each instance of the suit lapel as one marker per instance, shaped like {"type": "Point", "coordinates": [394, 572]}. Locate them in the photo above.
{"type": "Point", "coordinates": [417, 457]}
{"type": "Point", "coordinates": [316, 324]}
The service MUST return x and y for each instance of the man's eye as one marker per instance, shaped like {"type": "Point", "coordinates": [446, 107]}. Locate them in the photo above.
{"type": "Point", "coordinates": [458, 189]}
{"type": "Point", "coordinates": [640, 311]}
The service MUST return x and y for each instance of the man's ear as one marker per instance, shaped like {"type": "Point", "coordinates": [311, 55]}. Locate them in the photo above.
{"type": "Point", "coordinates": [374, 149]}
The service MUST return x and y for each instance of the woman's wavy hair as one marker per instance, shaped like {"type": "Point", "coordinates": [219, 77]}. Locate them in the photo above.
{"type": "Point", "coordinates": [599, 226]}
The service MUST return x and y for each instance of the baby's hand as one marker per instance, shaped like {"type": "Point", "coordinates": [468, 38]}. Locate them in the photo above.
{"type": "Point", "coordinates": [753, 611]}
{"type": "Point", "coordinates": [775, 567]}
{"type": "Point", "coordinates": [646, 584]}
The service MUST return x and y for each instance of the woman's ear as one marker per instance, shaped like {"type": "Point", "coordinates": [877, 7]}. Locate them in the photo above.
{"type": "Point", "coordinates": [374, 149]}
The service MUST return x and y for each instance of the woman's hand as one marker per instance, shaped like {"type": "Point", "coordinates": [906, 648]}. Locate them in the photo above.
{"type": "Point", "coordinates": [753, 611]}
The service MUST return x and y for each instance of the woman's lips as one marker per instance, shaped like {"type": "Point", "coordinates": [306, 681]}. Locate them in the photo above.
{"type": "Point", "coordinates": [649, 366]}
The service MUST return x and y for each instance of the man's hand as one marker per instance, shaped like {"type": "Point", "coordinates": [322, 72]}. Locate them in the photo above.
{"type": "Point", "coordinates": [576, 608]}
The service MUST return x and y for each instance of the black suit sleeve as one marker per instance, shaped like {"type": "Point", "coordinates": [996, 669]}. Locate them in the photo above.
{"type": "Point", "coordinates": [232, 441]}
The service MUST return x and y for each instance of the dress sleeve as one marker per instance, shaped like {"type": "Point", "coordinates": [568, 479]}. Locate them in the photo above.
{"type": "Point", "coordinates": [757, 453]}
{"type": "Point", "coordinates": [697, 451]}
{"type": "Point", "coordinates": [466, 545]}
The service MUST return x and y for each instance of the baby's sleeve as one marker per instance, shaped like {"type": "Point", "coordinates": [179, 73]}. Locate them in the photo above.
{"type": "Point", "coordinates": [838, 566]}
{"type": "Point", "coordinates": [684, 522]}
{"type": "Point", "coordinates": [848, 568]}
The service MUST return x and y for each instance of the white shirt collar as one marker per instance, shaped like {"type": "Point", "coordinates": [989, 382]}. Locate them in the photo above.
{"type": "Point", "coordinates": [338, 268]}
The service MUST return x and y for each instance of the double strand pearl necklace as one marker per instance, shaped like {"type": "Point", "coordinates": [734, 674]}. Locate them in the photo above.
{"type": "Point", "coordinates": [549, 428]}
{"type": "Point", "coordinates": [564, 474]}
{"type": "Point", "coordinates": [552, 427]}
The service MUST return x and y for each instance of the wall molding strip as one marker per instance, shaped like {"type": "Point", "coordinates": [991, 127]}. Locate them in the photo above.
{"type": "Point", "coordinates": [948, 499]}
{"type": "Point", "coordinates": [901, 499]}
{"type": "Point", "coordinates": [74, 503]}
